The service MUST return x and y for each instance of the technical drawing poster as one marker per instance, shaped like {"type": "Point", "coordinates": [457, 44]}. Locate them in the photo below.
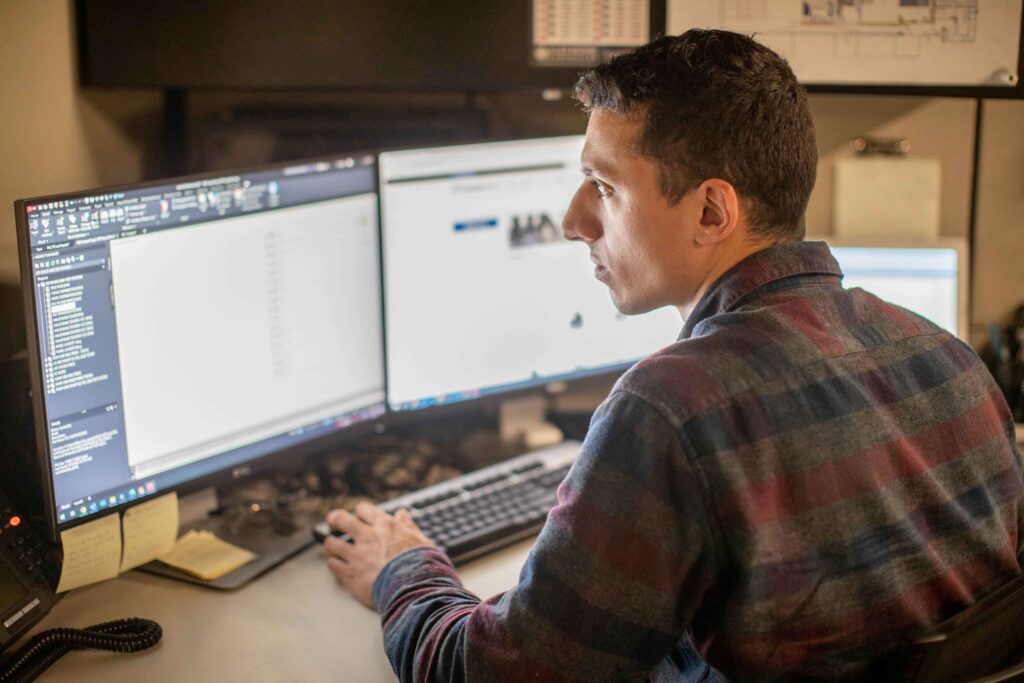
{"type": "Point", "coordinates": [884, 42]}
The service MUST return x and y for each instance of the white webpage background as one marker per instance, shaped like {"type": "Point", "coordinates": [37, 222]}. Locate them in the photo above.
{"type": "Point", "coordinates": [957, 42]}
{"type": "Point", "coordinates": [240, 329]}
{"type": "Point", "coordinates": [467, 311]}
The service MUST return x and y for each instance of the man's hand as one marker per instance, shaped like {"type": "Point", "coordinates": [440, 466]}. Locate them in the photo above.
{"type": "Point", "coordinates": [377, 538]}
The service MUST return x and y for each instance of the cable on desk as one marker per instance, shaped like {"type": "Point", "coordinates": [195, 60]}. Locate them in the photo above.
{"type": "Point", "coordinates": [43, 649]}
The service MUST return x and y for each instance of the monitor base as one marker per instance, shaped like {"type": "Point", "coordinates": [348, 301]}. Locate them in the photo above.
{"type": "Point", "coordinates": [272, 537]}
{"type": "Point", "coordinates": [271, 548]}
{"type": "Point", "coordinates": [522, 421]}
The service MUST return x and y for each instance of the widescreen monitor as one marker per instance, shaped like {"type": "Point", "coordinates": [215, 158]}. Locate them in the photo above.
{"type": "Point", "coordinates": [183, 328]}
{"type": "Point", "coordinates": [927, 278]}
{"type": "Point", "coordinates": [482, 293]}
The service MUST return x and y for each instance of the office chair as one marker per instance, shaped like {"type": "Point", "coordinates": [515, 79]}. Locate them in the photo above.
{"type": "Point", "coordinates": [982, 644]}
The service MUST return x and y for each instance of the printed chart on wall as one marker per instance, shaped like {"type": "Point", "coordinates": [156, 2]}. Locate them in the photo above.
{"type": "Point", "coordinates": [880, 42]}
{"type": "Point", "coordinates": [587, 32]}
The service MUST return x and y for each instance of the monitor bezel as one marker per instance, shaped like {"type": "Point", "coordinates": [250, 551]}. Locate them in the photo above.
{"type": "Point", "coordinates": [216, 477]}
{"type": "Point", "coordinates": [958, 244]}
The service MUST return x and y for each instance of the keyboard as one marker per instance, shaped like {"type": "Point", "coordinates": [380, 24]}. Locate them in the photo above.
{"type": "Point", "coordinates": [489, 508]}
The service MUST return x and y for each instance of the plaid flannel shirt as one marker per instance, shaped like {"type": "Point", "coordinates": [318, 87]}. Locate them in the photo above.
{"type": "Point", "coordinates": [805, 476]}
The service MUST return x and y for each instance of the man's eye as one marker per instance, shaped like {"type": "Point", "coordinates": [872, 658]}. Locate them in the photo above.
{"type": "Point", "coordinates": [602, 189]}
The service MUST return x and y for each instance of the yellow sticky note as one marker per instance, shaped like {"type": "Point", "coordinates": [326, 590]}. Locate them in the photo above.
{"type": "Point", "coordinates": [149, 530]}
{"type": "Point", "coordinates": [202, 554]}
{"type": "Point", "coordinates": [92, 552]}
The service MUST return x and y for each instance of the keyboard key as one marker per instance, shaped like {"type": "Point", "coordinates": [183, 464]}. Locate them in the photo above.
{"type": "Point", "coordinates": [554, 477]}
{"type": "Point", "coordinates": [487, 481]}
{"type": "Point", "coordinates": [436, 498]}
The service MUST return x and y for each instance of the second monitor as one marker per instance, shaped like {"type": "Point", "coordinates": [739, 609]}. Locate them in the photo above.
{"type": "Point", "coordinates": [483, 293]}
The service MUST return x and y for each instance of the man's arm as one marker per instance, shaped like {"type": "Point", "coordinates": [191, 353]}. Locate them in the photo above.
{"type": "Point", "coordinates": [608, 590]}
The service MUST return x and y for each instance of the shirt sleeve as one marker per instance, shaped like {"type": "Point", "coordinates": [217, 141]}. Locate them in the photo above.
{"type": "Point", "coordinates": [613, 581]}
{"type": "Point", "coordinates": [1019, 461]}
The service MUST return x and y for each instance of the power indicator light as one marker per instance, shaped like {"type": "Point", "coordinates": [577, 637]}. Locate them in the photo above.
{"type": "Point", "coordinates": [15, 520]}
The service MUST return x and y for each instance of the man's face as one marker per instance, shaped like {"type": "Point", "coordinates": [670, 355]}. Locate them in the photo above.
{"type": "Point", "coordinates": [642, 248]}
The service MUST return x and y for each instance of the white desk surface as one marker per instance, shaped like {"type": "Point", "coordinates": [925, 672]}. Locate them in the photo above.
{"type": "Point", "coordinates": [294, 623]}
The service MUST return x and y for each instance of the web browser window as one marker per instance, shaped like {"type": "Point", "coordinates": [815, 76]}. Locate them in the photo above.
{"type": "Point", "coordinates": [482, 291]}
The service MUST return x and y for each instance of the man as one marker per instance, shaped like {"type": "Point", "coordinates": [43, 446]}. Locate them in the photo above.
{"type": "Point", "coordinates": [806, 476]}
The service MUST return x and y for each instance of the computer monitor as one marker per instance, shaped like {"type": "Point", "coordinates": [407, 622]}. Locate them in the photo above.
{"type": "Point", "coordinates": [483, 294]}
{"type": "Point", "coordinates": [927, 278]}
{"type": "Point", "coordinates": [185, 328]}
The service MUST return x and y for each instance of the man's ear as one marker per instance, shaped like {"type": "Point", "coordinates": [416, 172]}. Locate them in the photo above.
{"type": "Point", "coordinates": [720, 211]}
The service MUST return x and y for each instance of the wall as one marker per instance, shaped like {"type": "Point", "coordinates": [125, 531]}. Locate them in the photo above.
{"type": "Point", "coordinates": [999, 243]}
{"type": "Point", "coordinates": [53, 138]}
{"type": "Point", "coordinates": [941, 128]}
{"type": "Point", "coordinates": [944, 128]}
{"type": "Point", "coordinates": [56, 138]}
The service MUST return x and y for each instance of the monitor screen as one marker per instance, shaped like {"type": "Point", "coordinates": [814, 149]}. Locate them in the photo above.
{"type": "Point", "coordinates": [927, 280]}
{"type": "Point", "coordinates": [188, 327]}
{"type": "Point", "coordinates": [483, 294]}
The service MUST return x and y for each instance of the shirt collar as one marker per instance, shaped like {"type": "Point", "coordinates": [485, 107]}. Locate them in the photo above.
{"type": "Point", "coordinates": [755, 272]}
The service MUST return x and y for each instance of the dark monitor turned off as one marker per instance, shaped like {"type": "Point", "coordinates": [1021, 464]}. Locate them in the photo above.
{"type": "Point", "coordinates": [182, 329]}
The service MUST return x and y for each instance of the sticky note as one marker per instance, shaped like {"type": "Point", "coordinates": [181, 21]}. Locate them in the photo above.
{"type": "Point", "coordinates": [92, 552]}
{"type": "Point", "coordinates": [149, 530]}
{"type": "Point", "coordinates": [202, 554]}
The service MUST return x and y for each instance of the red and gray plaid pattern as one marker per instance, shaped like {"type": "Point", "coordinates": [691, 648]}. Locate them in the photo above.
{"type": "Point", "coordinates": [806, 476]}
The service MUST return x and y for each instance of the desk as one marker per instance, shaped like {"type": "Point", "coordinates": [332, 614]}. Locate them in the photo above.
{"type": "Point", "coordinates": [295, 623]}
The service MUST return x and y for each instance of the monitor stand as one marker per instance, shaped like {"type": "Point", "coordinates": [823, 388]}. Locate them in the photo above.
{"type": "Point", "coordinates": [270, 546]}
{"type": "Point", "coordinates": [522, 421]}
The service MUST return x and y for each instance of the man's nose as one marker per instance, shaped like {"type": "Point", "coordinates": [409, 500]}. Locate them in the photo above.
{"type": "Point", "coordinates": [578, 223]}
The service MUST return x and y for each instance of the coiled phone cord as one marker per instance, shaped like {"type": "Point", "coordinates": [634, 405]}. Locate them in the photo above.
{"type": "Point", "coordinates": [43, 649]}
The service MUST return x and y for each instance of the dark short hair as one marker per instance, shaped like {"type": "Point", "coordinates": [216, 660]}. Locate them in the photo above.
{"type": "Point", "coordinates": [717, 104]}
